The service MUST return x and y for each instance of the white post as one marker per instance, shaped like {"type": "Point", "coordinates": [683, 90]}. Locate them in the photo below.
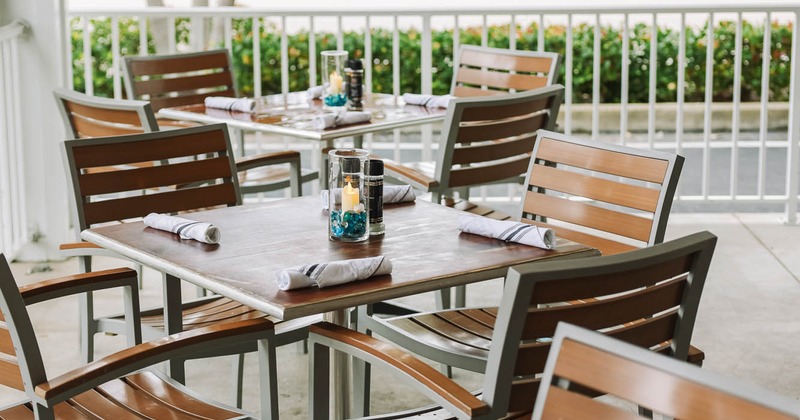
{"type": "Point", "coordinates": [794, 130]}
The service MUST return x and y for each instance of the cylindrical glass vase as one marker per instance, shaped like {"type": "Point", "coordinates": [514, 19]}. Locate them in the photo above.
{"type": "Point", "coordinates": [348, 218]}
{"type": "Point", "coordinates": [333, 83]}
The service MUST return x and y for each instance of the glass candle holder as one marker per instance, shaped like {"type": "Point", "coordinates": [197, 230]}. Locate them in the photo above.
{"type": "Point", "coordinates": [333, 86]}
{"type": "Point", "coordinates": [348, 218]}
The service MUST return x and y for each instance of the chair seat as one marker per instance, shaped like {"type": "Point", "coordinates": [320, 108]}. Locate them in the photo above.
{"type": "Point", "coordinates": [204, 313]}
{"type": "Point", "coordinates": [605, 246]}
{"type": "Point", "coordinates": [140, 395]}
{"type": "Point", "coordinates": [271, 174]}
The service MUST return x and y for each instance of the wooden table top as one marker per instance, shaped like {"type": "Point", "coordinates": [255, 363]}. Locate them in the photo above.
{"type": "Point", "coordinates": [427, 251]}
{"type": "Point", "coordinates": [293, 115]}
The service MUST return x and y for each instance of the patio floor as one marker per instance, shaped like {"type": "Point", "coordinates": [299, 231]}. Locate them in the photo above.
{"type": "Point", "coordinates": [748, 325]}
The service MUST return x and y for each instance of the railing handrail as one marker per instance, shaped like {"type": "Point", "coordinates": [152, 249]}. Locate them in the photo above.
{"type": "Point", "coordinates": [13, 29]}
{"type": "Point", "coordinates": [377, 10]}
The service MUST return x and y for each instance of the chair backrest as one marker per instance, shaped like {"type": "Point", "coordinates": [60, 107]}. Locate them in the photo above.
{"type": "Point", "coordinates": [614, 198]}
{"type": "Point", "coordinates": [89, 116]}
{"type": "Point", "coordinates": [581, 358]}
{"type": "Point", "coordinates": [179, 79]}
{"type": "Point", "coordinates": [197, 159]}
{"type": "Point", "coordinates": [490, 139]}
{"type": "Point", "coordinates": [648, 297]}
{"type": "Point", "coordinates": [20, 358]}
{"type": "Point", "coordinates": [482, 71]}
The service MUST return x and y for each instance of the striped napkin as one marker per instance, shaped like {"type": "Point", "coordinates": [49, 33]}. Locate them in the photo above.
{"type": "Point", "coordinates": [391, 194]}
{"type": "Point", "coordinates": [339, 119]}
{"type": "Point", "coordinates": [187, 229]}
{"type": "Point", "coordinates": [428, 101]}
{"type": "Point", "coordinates": [333, 273]}
{"type": "Point", "coordinates": [508, 231]}
{"type": "Point", "coordinates": [231, 104]}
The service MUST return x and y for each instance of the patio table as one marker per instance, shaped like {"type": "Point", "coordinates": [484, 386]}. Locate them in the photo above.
{"type": "Point", "coordinates": [422, 241]}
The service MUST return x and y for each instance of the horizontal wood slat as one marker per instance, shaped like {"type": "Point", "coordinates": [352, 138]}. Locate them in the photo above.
{"type": "Point", "coordinates": [10, 375]}
{"type": "Point", "coordinates": [459, 330]}
{"type": "Point", "coordinates": [170, 101]}
{"type": "Point", "coordinates": [168, 202]}
{"type": "Point", "coordinates": [500, 129]}
{"type": "Point", "coordinates": [571, 405]}
{"type": "Point", "coordinates": [650, 332]}
{"type": "Point", "coordinates": [154, 176]}
{"type": "Point", "coordinates": [88, 156]}
{"type": "Point", "coordinates": [623, 224]}
{"type": "Point", "coordinates": [493, 151]}
{"type": "Point", "coordinates": [650, 386]}
{"type": "Point", "coordinates": [531, 358]}
{"type": "Point", "coordinates": [484, 113]}
{"type": "Point", "coordinates": [604, 285]}
{"type": "Point", "coordinates": [476, 175]}
{"type": "Point", "coordinates": [582, 185]}
{"type": "Point", "coordinates": [95, 128]}
{"type": "Point", "coordinates": [505, 61]}
{"type": "Point", "coordinates": [435, 338]}
{"type": "Point", "coordinates": [94, 402]}
{"type": "Point", "coordinates": [468, 92]}
{"type": "Point", "coordinates": [6, 344]}
{"type": "Point", "coordinates": [103, 114]}
{"type": "Point", "coordinates": [519, 82]}
{"type": "Point", "coordinates": [151, 385]}
{"type": "Point", "coordinates": [523, 395]}
{"type": "Point", "coordinates": [150, 66]}
{"type": "Point", "coordinates": [605, 313]}
{"type": "Point", "coordinates": [164, 87]}
{"type": "Point", "coordinates": [606, 161]}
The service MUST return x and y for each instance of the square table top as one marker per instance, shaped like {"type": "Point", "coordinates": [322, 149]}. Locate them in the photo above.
{"type": "Point", "coordinates": [427, 251]}
{"type": "Point", "coordinates": [293, 115]}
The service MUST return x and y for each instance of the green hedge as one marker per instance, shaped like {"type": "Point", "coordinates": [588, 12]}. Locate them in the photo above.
{"type": "Point", "coordinates": [555, 40]}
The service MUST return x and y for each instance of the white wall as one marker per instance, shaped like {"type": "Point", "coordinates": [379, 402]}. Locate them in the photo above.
{"type": "Point", "coordinates": [42, 61]}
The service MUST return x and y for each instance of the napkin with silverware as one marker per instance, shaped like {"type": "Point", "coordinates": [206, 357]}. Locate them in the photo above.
{"type": "Point", "coordinates": [428, 101]}
{"type": "Point", "coordinates": [231, 104]}
{"type": "Point", "coordinates": [187, 229]}
{"type": "Point", "coordinates": [391, 194]}
{"type": "Point", "coordinates": [339, 119]}
{"type": "Point", "coordinates": [508, 231]}
{"type": "Point", "coordinates": [333, 273]}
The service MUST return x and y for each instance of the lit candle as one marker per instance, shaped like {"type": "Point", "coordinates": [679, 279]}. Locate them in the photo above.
{"type": "Point", "coordinates": [349, 197]}
{"type": "Point", "coordinates": [335, 83]}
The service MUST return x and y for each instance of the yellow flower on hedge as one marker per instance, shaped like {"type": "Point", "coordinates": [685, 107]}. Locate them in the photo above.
{"type": "Point", "coordinates": [246, 59]}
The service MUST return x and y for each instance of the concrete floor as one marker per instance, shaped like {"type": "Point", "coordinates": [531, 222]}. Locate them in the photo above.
{"type": "Point", "coordinates": [748, 325]}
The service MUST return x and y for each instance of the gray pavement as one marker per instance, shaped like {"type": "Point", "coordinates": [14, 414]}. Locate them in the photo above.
{"type": "Point", "coordinates": [748, 325]}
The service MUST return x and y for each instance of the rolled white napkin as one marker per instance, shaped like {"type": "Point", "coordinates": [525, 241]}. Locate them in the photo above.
{"type": "Point", "coordinates": [231, 104]}
{"type": "Point", "coordinates": [339, 119]}
{"type": "Point", "coordinates": [187, 229]}
{"type": "Point", "coordinates": [429, 101]}
{"type": "Point", "coordinates": [391, 194]}
{"type": "Point", "coordinates": [508, 231]}
{"type": "Point", "coordinates": [314, 92]}
{"type": "Point", "coordinates": [333, 273]}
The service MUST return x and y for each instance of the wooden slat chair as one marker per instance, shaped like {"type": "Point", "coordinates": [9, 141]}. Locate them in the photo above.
{"type": "Point", "coordinates": [482, 71]}
{"type": "Point", "coordinates": [214, 184]}
{"type": "Point", "coordinates": [648, 297]}
{"type": "Point", "coordinates": [581, 359]}
{"type": "Point", "coordinates": [115, 387]}
{"type": "Point", "coordinates": [189, 78]}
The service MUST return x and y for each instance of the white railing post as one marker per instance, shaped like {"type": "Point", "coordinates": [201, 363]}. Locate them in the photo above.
{"type": "Point", "coordinates": [426, 63]}
{"type": "Point", "coordinates": [764, 118]}
{"type": "Point", "coordinates": [737, 99]}
{"type": "Point", "coordinates": [709, 88]}
{"type": "Point", "coordinates": [312, 53]}
{"type": "Point", "coordinates": [284, 58]}
{"type": "Point", "coordinates": [596, 78]}
{"type": "Point", "coordinates": [115, 58]}
{"type": "Point", "coordinates": [651, 101]}
{"type": "Point", "coordinates": [568, 79]}
{"type": "Point", "coordinates": [623, 97]}
{"type": "Point", "coordinates": [256, 56]}
{"type": "Point", "coordinates": [794, 129]}
{"type": "Point", "coordinates": [88, 79]}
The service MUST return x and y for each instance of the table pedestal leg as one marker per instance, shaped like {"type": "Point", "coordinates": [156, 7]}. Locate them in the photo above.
{"type": "Point", "coordinates": [340, 371]}
{"type": "Point", "coordinates": [173, 321]}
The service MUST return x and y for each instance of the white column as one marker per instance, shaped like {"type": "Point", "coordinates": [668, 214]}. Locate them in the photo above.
{"type": "Point", "coordinates": [46, 187]}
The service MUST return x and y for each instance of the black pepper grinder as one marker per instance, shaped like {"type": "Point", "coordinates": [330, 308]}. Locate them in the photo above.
{"type": "Point", "coordinates": [355, 83]}
{"type": "Point", "coordinates": [374, 180]}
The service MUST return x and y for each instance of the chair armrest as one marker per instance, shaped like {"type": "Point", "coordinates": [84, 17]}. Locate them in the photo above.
{"type": "Point", "coordinates": [147, 354]}
{"type": "Point", "coordinates": [82, 249]}
{"type": "Point", "coordinates": [431, 382]}
{"type": "Point", "coordinates": [417, 179]}
{"type": "Point", "coordinates": [274, 158]}
{"type": "Point", "coordinates": [79, 283]}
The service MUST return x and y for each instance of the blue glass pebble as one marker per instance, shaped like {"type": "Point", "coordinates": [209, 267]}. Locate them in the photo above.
{"type": "Point", "coordinates": [336, 100]}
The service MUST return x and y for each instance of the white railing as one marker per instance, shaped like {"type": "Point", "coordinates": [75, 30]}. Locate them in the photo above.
{"type": "Point", "coordinates": [701, 148]}
{"type": "Point", "coordinates": [12, 180]}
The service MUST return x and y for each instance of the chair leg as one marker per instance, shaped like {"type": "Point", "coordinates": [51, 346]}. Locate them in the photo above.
{"type": "Point", "coordinates": [139, 274]}
{"type": "Point", "coordinates": [362, 370]}
{"type": "Point", "coordinates": [295, 178]}
{"type": "Point", "coordinates": [268, 378]}
{"type": "Point", "coordinates": [443, 299]}
{"type": "Point", "coordinates": [318, 382]}
{"type": "Point", "coordinates": [461, 296]}
{"type": "Point", "coordinates": [238, 379]}
{"type": "Point", "coordinates": [42, 412]}
{"type": "Point", "coordinates": [88, 325]}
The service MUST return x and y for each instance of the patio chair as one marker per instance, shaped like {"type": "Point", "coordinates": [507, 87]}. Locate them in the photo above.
{"type": "Point", "coordinates": [613, 198]}
{"type": "Point", "coordinates": [99, 200]}
{"type": "Point", "coordinates": [481, 71]}
{"type": "Point", "coordinates": [581, 359]}
{"type": "Point", "coordinates": [115, 386]}
{"type": "Point", "coordinates": [648, 297]}
{"type": "Point", "coordinates": [188, 78]}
